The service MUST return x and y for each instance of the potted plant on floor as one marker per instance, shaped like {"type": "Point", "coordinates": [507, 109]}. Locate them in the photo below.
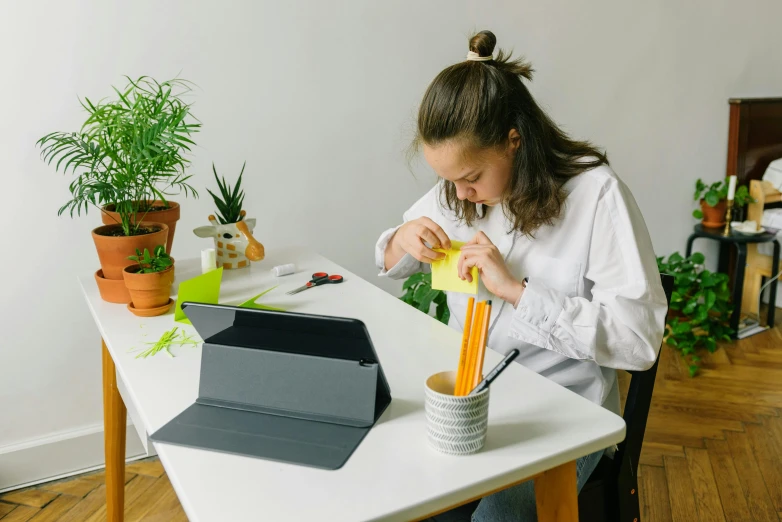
{"type": "Point", "coordinates": [713, 200]}
{"type": "Point", "coordinates": [149, 282]}
{"type": "Point", "coordinates": [700, 309]}
{"type": "Point", "coordinates": [127, 155]}
{"type": "Point", "coordinates": [233, 234]}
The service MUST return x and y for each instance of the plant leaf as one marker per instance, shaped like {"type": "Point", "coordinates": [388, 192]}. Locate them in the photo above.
{"type": "Point", "coordinates": [413, 279]}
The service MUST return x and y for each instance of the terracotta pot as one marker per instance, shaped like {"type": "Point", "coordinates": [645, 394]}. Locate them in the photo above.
{"type": "Point", "coordinates": [151, 290]}
{"type": "Point", "coordinates": [714, 217]}
{"type": "Point", "coordinates": [169, 216]}
{"type": "Point", "coordinates": [112, 290]}
{"type": "Point", "coordinates": [113, 251]}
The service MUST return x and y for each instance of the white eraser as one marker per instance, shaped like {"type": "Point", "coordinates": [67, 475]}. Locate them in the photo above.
{"type": "Point", "coordinates": [208, 260]}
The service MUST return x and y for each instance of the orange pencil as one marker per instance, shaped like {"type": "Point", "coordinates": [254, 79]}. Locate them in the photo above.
{"type": "Point", "coordinates": [465, 368]}
{"type": "Point", "coordinates": [465, 344]}
{"type": "Point", "coordinates": [475, 333]}
{"type": "Point", "coordinates": [474, 349]}
{"type": "Point", "coordinates": [478, 369]}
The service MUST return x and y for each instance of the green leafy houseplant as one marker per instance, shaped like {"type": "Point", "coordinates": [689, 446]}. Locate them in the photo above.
{"type": "Point", "coordinates": [420, 294]}
{"type": "Point", "coordinates": [128, 152]}
{"type": "Point", "coordinates": [156, 262]}
{"type": "Point", "coordinates": [700, 307]}
{"type": "Point", "coordinates": [716, 192]}
{"type": "Point", "coordinates": [230, 206]}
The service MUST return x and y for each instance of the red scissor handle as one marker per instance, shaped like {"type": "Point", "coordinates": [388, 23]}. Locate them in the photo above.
{"type": "Point", "coordinates": [321, 278]}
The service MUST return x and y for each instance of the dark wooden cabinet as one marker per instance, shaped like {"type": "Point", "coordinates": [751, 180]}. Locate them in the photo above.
{"type": "Point", "coordinates": [754, 136]}
{"type": "Point", "coordinates": [754, 141]}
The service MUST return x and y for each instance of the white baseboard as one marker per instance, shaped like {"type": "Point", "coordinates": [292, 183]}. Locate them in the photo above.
{"type": "Point", "coordinates": [59, 456]}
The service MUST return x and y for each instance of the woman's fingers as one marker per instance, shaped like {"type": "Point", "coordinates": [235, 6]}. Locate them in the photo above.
{"type": "Point", "coordinates": [442, 238]}
{"type": "Point", "coordinates": [467, 260]}
{"type": "Point", "coordinates": [428, 235]}
{"type": "Point", "coordinates": [415, 246]}
{"type": "Point", "coordinates": [423, 253]}
{"type": "Point", "coordinates": [479, 239]}
{"type": "Point", "coordinates": [460, 266]}
{"type": "Point", "coordinates": [475, 256]}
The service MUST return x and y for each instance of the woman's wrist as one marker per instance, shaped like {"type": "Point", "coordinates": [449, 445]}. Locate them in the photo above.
{"type": "Point", "coordinates": [393, 252]}
{"type": "Point", "coordinates": [514, 296]}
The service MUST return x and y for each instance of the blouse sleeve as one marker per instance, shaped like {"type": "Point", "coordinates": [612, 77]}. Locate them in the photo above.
{"type": "Point", "coordinates": [427, 206]}
{"type": "Point", "coordinates": [622, 325]}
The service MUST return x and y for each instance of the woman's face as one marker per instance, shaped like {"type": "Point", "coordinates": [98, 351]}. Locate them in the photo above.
{"type": "Point", "coordinates": [480, 175]}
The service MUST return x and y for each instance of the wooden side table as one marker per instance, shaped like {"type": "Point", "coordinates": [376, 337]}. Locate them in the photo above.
{"type": "Point", "coordinates": [739, 241]}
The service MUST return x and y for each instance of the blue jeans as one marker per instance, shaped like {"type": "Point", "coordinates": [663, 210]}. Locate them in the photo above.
{"type": "Point", "coordinates": [517, 504]}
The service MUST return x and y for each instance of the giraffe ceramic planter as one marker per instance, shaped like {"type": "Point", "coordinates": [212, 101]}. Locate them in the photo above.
{"type": "Point", "coordinates": [234, 242]}
{"type": "Point", "coordinates": [157, 214]}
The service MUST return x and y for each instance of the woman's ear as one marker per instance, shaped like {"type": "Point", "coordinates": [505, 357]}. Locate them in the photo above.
{"type": "Point", "coordinates": [514, 140]}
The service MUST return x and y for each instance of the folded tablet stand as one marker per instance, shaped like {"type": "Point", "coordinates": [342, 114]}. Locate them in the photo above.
{"type": "Point", "coordinates": [296, 388]}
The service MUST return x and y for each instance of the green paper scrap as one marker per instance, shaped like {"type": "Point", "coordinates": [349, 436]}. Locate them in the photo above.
{"type": "Point", "coordinates": [167, 340]}
{"type": "Point", "coordinates": [200, 289]}
{"type": "Point", "coordinates": [250, 303]}
{"type": "Point", "coordinates": [445, 272]}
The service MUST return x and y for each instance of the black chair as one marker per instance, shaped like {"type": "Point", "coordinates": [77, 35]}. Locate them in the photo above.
{"type": "Point", "coordinates": [611, 493]}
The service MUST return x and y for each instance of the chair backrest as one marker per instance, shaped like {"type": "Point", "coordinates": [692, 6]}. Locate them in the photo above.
{"type": "Point", "coordinates": [639, 399]}
{"type": "Point", "coordinates": [763, 193]}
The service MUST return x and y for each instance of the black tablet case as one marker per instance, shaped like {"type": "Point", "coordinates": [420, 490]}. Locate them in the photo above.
{"type": "Point", "coordinates": [282, 386]}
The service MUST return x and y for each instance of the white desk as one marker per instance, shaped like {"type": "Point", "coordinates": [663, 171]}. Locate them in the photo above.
{"type": "Point", "coordinates": [536, 428]}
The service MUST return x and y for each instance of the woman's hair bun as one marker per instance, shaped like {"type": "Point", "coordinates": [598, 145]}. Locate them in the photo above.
{"type": "Point", "coordinates": [483, 43]}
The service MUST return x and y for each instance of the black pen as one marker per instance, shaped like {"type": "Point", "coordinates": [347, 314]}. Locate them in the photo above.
{"type": "Point", "coordinates": [495, 372]}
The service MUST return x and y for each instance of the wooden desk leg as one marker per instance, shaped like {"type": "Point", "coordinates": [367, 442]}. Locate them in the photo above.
{"type": "Point", "coordinates": [556, 495]}
{"type": "Point", "coordinates": [114, 420]}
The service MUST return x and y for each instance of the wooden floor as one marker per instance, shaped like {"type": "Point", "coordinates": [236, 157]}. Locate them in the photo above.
{"type": "Point", "coordinates": [713, 444]}
{"type": "Point", "coordinates": [148, 497]}
{"type": "Point", "coordinates": [712, 451]}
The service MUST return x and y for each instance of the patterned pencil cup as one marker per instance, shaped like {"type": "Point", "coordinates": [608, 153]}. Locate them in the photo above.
{"type": "Point", "coordinates": [455, 425]}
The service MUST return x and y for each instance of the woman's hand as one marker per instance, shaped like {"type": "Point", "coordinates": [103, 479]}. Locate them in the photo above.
{"type": "Point", "coordinates": [481, 252]}
{"type": "Point", "coordinates": [411, 238]}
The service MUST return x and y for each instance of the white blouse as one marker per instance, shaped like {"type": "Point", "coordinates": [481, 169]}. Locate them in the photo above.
{"type": "Point", "coordinates": [594, 301]}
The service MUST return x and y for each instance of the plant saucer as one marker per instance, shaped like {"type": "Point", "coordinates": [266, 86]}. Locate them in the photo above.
{"type": "Point", "coordinates": [151, 312]}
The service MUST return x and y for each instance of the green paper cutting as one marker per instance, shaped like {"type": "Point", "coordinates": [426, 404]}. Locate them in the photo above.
{"type": "Point", "coordinates": [250, 303]}
{"type": "Point", "coordinates": [200, 289]}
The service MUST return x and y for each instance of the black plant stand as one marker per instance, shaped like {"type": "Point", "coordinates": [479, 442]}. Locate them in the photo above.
{"type": "Point", "coordinates": [739, 241]}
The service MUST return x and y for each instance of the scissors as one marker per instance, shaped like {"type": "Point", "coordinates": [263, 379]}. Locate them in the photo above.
{"type": "Point", "coordinates": [318, 278]}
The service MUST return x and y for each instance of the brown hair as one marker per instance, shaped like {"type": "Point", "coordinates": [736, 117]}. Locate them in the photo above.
{"type": "Point", "coordinates": [480, 102]}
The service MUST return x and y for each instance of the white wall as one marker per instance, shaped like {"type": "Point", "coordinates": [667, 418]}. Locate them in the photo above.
{"type": "Point", "coordinates": [319, 98]}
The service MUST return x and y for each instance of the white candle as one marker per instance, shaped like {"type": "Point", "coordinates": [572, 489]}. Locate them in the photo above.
{"type": "Point", "coordinates": [208, 260]}
{"type": "Point", "coordinates": [732, 188]}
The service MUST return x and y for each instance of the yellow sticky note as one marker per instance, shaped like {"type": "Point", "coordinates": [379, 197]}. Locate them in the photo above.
{"type": "Point", "coordinates": [200, 289]}
{"type": "Point", "coordinates": [445, 273]}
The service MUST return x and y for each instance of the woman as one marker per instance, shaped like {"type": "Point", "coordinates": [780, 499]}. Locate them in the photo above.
{"type": "Point", "coordinates": [554, 233]}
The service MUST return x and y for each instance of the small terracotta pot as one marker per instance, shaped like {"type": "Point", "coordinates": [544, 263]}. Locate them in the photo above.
{"type": "Point", "coordinates": [151, 290]}
{"type": "Point", "coordinates": [113, 251]}
{"type": "Point", "coordinates": [714, 217]}
{"type": "Point", "coordinates": [170, 216]}
{"type": "Point", "coordinates": [112, 290]}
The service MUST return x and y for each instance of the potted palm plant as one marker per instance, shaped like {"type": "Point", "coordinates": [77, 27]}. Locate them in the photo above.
{"type": "Point", "coordinates": [149, 282]}
{"type": "Point", "coordinates": [127, 157]}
